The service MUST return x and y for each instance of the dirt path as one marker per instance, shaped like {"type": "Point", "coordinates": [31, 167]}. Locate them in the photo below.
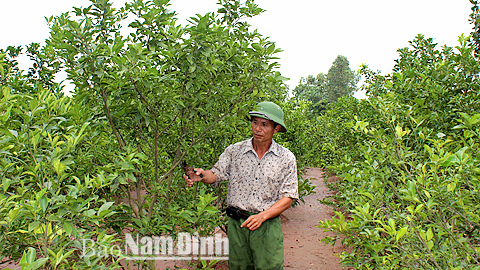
{"type": "Point", "coordinates": [303, 249]}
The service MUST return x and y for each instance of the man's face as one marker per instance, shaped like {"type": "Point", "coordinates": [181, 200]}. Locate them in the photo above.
{"type": "Point", "coordinates": [263, 129]}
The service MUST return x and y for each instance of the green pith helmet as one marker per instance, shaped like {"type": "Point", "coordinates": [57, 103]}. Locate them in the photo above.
{"type": "Point", "coordinates": [271, 111]}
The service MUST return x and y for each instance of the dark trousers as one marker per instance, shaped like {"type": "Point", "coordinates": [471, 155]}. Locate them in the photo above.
{"type": "Point", "coordinates": [261, 249]}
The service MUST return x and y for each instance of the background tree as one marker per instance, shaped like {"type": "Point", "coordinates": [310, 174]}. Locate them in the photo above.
{"type": "Point", "coordinates": [475, 21]}
{"type": "Point", "coordinates": [313, 89]}
{"type": "Point", "coordinates": [324, 88]}
{"type": "Point", "coordinates": [341, 80]}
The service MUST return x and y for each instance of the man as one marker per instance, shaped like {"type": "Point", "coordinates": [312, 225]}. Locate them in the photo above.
{"type": "Point", "coordinates": [262, 184]}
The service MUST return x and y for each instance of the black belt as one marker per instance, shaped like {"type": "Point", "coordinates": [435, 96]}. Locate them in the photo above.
{"type": "Point", "coordinates": [238, 214]}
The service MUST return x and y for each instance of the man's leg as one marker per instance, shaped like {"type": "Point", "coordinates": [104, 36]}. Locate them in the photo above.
{"type": "Point", "coordinates": [239, 251]}
{"type": "Point", "coordinates": [267, 245]}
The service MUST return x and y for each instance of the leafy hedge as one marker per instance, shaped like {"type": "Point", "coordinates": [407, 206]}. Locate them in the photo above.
{"type": "Point", "coordinates": [409, 193]}
{"type": "Point", "coordinates": [105, 159]}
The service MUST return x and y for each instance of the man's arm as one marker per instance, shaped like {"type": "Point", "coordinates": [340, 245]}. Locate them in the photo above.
{"type": "Point", "coordinates": [208, 177]}
{"type": "Point", "coordinates": [255, 221]}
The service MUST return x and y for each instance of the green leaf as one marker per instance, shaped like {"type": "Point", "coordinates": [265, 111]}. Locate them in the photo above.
{"type": "Point", "coordinates": [137, 221]}
{"type": "Point", "coordinates": [34, 139]}
{"type": "Point", "coordinates": [9, 132]}
{"type": "Point", "coordinates": [31, 255]}
{"type": "Point", "coordinates": [59, 167]}
{"type": "Point", "coordinates": [33, 225]}
{"type": "Point", "coordinates": [429, 234]}
{"type": "Point", "coordinates": [122, 179]}
{"type": "Point", "coordinates": [43, 203]}
{"type": "Point", "coordinates": [63, 257]}
{"type": "Point", "coordinates": [13, 213]}
{"type": "Point", "coordinates": [399, 131]}
{"type": "Point", "coordinates": [6, 115]}
{"type": "Point", "coordinates": [211, 210]}
{"type": "Point", "coordinates": [401, 233]}
{"type": "Point", "coordinates": [68, 227]}
{"type": "Point", "coordinates": [369, 195]}
{"type": "Point", "coordinates": [6, 183]}
{"type": "Point", "coordinates": [450, 160]}
{"type": "Point", "coordinates": [105, 208]}
{"type": "Point", "coordinates": [37, 264]}
{"type": "Point", "coordinates": [281, 78]}
{"type": "Point", "coordinates": [270, 49]}
{"type": "Point", "coordinates": [475, 119]}
{"type": "Point", "coordinates": [391, 229]}
{"type": "Point", "coordinates": [257, 46]}
{"type": "Point", "coordinates": [6, 92]}
{"type": "Point", "coordinates": [29, 260]}
{"type": "Point", "coordinates": [80, 134]}
{"type": "Point", "coordinates": [430, 244]}
{"type": "Point", "coordinates": [90, 213]}
{"type": "Point", "coordinates": [451, 187]}
{"type": "Point", "coordinates": [419, 208]}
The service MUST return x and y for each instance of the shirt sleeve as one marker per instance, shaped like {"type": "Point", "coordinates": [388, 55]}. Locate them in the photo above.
{"type": "Point", "coordinates": [289, 187]}
{"type": "Point", "coordinates": [221, 169]}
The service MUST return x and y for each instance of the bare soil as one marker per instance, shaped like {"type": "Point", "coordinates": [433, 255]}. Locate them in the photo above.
{"type": "Point", "coordinates": [303, 249]}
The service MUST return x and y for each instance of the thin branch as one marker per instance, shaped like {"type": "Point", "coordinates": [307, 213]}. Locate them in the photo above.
{"type": "Point", "coordinates": [203, 133]}
{"type": "Point", "coordinates": [140, 134]}
{"type": "Point", "coordinates": [427, 248]}
{"type": "Point", "coordinates": [144, 100]}
{"type": "Point", "coordinates": [107, 111]}
{"type": "Point", "coordinates": [171, 123]}
{"type": "Point", "coordinates": [130, 202]}
{"type": "Point", "coordinates": [221, 117]}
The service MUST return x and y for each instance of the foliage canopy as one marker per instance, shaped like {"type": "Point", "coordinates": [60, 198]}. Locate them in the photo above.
{"type": "Point", "coordinates": [410, 179]}
{"type": "Point", "coordinates": [340, 81]}
{"type": "Point", "coordinates": [106, 158]}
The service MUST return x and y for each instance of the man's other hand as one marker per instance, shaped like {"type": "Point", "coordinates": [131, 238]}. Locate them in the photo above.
{"type": "Point", "coordinates": [192, 176]}
{"type": "Point", "coordinates": [254, 222]}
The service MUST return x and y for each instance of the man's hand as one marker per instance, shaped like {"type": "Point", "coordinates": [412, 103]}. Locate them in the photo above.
{"type": "Point", "coordinates": [254, 222]}
{"type": "Point", "coordinates": [193, 175]}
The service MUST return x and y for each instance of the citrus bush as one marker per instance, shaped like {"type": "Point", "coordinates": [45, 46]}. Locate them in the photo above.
{"type": "Point", "coordinates": [50, 193]}
{"type": "Point", "coordinates": [105, 159]}
{"type": "Point", "coordinates": [411, 200]}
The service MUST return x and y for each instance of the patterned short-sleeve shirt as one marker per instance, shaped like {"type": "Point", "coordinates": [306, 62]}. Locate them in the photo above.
{"type": "Point", "coordinates": [257, 184]}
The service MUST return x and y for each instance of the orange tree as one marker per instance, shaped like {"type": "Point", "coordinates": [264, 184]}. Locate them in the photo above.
{"type": "Point", "coordinates": [165, 91]}
{"type": "Point", "coordinates": [107, 158]}
{"type": "Point", "coordinates": [409, 193]}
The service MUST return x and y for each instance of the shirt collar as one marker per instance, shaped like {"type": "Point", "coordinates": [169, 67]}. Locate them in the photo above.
{"type": "Point", "coordinates": [274, 147]}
